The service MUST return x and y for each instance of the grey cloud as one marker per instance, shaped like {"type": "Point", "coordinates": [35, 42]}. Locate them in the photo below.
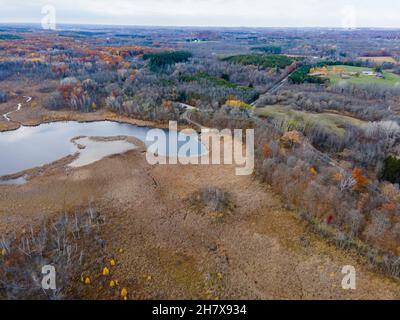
{"type": "Point", "coordinates": [266, 13]}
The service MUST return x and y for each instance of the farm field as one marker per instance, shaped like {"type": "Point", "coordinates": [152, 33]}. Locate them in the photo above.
{"type": "Point", "coordinates": [390, 79]}
{"type": "Point", "coordinates": [380, 60]}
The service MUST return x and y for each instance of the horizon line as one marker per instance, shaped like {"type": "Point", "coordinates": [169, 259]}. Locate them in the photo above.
{"type": "Point", "coordinates": [201, 26]}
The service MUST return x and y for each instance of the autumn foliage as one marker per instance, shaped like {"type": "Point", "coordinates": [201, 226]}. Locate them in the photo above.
{"type": "Point", "coordinates": [266, 151]}
{"type": "Point", "coordinates": [313, 171]}
{"type": "Point", "coordinates": [361, 180]}
{"type": "Point", "coordinates": [238, 104]}
{"type": "Point", "coordinates": [291, 138]}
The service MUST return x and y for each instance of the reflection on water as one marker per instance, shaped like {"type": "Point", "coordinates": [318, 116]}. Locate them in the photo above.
{"type": "Point", "coordinates": [97, 150]}
{"type": "Point", "coordinates": [29, 147]}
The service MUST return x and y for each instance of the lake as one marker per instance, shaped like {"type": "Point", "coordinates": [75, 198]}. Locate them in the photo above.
{"type": "Point", "coordinates": [29, 147]}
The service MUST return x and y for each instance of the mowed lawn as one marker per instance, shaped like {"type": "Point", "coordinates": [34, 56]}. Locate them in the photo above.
{"type": "Point", "coordinates": [299, 120]}
{"type": "Point", "coordinates": [390, 79]}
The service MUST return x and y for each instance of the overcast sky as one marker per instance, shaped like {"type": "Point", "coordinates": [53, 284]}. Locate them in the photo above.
{"type": "Point", "coordinates": [259, 13]}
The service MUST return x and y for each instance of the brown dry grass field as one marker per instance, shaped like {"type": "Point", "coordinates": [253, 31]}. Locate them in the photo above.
{"type": "Point", "coordinates": [166, 249]}
{"type": "Point", "coordinates": [380, 60]}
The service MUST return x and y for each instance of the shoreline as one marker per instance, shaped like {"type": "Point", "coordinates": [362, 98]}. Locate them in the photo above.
{"type": "Point", "coordinates": [79, 118]}
{"type": "Point", "coordinates": [88, 118]}
{"type": "Point", "coordinates": [33, 172]}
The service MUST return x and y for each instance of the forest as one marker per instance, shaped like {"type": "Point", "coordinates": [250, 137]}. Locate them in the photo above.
{"type": "Point", "coordinates": [262, 61]}
{"type": "Point", "coordinates": [329, 149]}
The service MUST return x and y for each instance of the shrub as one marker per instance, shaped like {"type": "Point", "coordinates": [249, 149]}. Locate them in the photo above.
{"type": "Point", "coordinates": [54, 101]}
{"type": "Point", "coordinates": [391, 170]}
{"type": "Point", "coordinates": [239, 104]}
{"type": "Point", "coordinates": [212, 200]}
{"type": "Point", "coordinates": [396, 231]}
{"type": "Point", "coordinates": [66, 244]}
{"type": "Point", "coordinates": [3, 97]}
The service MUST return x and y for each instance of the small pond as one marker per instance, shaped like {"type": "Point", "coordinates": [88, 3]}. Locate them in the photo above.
{"type": "Point", "coordinates": [29, 147]}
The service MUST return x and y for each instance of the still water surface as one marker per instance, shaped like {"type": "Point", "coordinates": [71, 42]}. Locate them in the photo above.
{"type": "Point", "coordinates": [29, 147]}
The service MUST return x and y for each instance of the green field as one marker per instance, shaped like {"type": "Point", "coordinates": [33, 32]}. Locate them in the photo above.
{"type": "Point", "coordinates": [299, 120]}
{"type": "Point", "coordinates": [390, 79]}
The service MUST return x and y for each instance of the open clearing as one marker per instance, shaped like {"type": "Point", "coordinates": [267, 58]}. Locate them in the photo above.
{"type": "Point", "coordinates": [390, 79]}
{"type": "Point", "coordinates": [294, 119]}
{"type": "Point", "coordinates": [380, 60]}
